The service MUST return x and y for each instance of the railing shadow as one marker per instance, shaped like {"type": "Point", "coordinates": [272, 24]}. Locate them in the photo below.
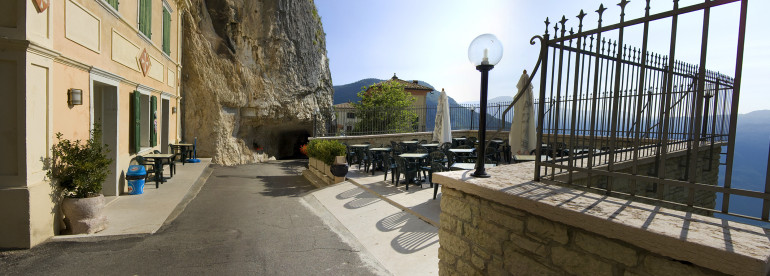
{"type": "Point", "coordinates": [415, 234]}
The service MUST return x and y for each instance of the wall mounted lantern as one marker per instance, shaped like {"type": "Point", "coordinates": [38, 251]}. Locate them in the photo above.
{"type": "Point", "coordinates": [74, 96]}
{"type": "Point", "coordinates": [484, 52]}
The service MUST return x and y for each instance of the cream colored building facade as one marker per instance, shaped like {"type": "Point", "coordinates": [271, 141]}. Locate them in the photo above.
{"type": "Point", "coordinates": [51, 47]}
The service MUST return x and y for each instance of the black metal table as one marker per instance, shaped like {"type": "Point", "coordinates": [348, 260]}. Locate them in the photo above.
{"type": "Point", "coordinates": [157, 159]}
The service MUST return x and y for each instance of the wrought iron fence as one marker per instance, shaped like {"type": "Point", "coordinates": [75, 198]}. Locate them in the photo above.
{"type": "Point", "coordinates": [616, 118]}
{"type": "Point", "coordinates": [349, 121]}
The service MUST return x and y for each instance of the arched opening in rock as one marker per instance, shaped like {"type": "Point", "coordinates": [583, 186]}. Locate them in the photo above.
{"type": "Point", "coordinates": [290, 142]}
{"type": "Point", "coordinates": [282, 141]}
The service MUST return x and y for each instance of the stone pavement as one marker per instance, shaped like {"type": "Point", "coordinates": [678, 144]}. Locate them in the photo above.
{"type": "Point", "coordinates": [252, 219]}
{"type": "Point", "coordinates": [246, 220]}
{"type": "Point", "coordinates": [398, 227]}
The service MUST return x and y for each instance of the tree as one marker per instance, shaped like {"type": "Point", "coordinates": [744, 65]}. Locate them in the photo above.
{"type": "Point", "coordinates": [385, 108]}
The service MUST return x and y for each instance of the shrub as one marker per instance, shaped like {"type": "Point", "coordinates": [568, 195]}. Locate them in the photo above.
{"type": "Point", "coordinates": [80, 168]}
{"type": "Point", "coordinates": [303, 149]}
{"type": "Point", "coordinates": [325, 150]}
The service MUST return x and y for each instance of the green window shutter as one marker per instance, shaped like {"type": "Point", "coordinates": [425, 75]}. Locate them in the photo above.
{"type": "Point", "coordinates": [136, 121]}
{"type": "Point", "coordinates": [154, 123]}
{"type": "Point", "coordinates": [166, 32]}
{"type": "Point", "coordinates": [145, 17]}
{"type": "Point", "coordinates": [113, 3]}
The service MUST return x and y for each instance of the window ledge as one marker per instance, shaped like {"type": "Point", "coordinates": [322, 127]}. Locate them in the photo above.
{"type": "Point", "coordinates": [146, 39]}
{"type": "Point", "coordinates": [109, 8]}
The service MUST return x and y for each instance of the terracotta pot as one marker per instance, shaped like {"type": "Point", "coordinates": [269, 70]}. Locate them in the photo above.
{"type": "Point", "coordinates": [84, 215]}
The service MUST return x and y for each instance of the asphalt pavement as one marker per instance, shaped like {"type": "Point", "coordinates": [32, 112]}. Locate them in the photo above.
{"type": "Point", "coordinates": [246, 220]}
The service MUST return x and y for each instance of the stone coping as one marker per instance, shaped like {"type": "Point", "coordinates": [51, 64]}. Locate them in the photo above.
{"type": "Point", "coordinates": [722, 245]}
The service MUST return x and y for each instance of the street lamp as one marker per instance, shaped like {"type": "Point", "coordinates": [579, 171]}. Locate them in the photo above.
{"type": "Point", "coordinates": [485, 52]}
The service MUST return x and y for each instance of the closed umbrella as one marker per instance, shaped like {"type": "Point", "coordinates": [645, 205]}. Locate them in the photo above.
{"type": "Point", "coordinates": [522, 136]}
{"type": "Point", "coordinates": [442, 131]}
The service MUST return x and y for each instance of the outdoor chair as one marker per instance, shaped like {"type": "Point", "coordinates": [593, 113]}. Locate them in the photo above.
{"type": "Point", "coordinates": [492, 154]}
{"type": "Point", "coordinates": [376, 159]}
{"type": "Point", "coordinates": [506, 149]}
{"type": "Point", "coordinates": [149, 167]}
{"type": "Point", "coordinates": [423, 141]}
{"type": "Point", "coordinates": [436, 167]}
{"type": "Point", "coordinates": [407, 169]}
{"type": "Point", "coordinates": [427, 170]}
{"type": "Point", "coordinates": [451, 159]}
{"type": "Point", "coordinates": [364, 158]}
{"type": "Point", "coordinates": [420, 149]}
{"type": "Point", "coordinates": [471, 141]}
{"type": "Point", "coordinates": [397, 149]}
{"type": "Point", "coordinates": [349, 155]}
{"type": "Point", "coordinates": [445, 147]}
{"type": "Point", "coordinates": [389, 164]}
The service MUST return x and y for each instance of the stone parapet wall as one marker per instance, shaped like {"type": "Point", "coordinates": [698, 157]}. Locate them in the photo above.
{"type": "Point", "coordinates": [482, 237]}
{"type": "Point", "coordinates": [509, 224]}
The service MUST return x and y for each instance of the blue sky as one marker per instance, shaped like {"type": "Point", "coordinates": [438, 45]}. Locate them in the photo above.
{"type": "Point", "coordinates": [428, 40]}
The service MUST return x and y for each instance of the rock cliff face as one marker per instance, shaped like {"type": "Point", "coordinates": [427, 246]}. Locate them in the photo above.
{"type": "Point", "coordinates": [253, 73]}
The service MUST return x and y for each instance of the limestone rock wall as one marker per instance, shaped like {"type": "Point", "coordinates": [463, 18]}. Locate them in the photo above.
{"type": "Point", "coordinates": [253, 73]}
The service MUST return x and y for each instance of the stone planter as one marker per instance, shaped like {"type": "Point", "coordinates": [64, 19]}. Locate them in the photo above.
{"type": "Point", "coordinates": [84, 215]}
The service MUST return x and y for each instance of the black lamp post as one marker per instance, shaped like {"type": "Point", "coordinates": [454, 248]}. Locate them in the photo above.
{"type": "Point", "coordinates": [485, 52]}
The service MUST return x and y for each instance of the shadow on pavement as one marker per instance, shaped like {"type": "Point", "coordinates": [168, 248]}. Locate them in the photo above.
{"type": "Point", "coordinates": [416, 234]}
{"type": "Point", "coordinates": [285, 185]}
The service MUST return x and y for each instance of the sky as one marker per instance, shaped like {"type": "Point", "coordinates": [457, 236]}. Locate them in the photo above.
{"type": "Point", "coordinates": [428, 40]}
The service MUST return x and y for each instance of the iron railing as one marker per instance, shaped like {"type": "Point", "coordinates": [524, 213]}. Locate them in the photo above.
{"type": "Point", "coordinates": [633, 123]}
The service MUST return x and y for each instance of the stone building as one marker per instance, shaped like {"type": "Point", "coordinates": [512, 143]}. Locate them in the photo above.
{"type": "Point", "coordinates": [69, 64]}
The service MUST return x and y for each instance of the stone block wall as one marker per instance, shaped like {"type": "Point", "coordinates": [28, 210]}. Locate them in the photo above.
{"type": "Point", "coordinates": [481, 237]}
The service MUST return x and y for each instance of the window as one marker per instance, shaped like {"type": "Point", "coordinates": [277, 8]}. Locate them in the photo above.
{"type": "Point", "coordinates": [351, 115]}
{"type": "Point", "coordinates": [145, 17]}
{"type": "Point", "coordinates": [166, 31]}
{"type": "Point", "coordinates": [143, 132]}
{"type": "Point", "coordinates": [113, 3]}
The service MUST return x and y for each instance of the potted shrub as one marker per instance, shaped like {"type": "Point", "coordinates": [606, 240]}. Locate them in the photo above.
{"type": "Point", "coordinates": [80, 168]}
{"type": "Point", "coordinates": [326, 151]}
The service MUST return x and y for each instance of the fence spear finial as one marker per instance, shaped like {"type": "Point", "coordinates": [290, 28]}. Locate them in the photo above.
{"type": "Point", "coordinates": [580, 17]}
{"type": "Point", "coordinates": [546, 25]}
{"type": "Point", "coordinates": [601, 11]}
{"type": "Point", "coordinates": [563, 28]}
{"type": "Point", "coordinates": [622, 5]}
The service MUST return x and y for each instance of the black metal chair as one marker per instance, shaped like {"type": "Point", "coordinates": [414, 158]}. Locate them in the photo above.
{"type": "Point", "coordinates": [364, 158]}
{"type": "Point", "coordinates": [407, 169]}
{"type": "Point", "coordinates": [389, 165]}
{"type": "Point", "coordinates": [436, 167]}
{"type": "Point", "coordinates": [436, 156]}
{"type": "Point", "coordinates": [149, 167]}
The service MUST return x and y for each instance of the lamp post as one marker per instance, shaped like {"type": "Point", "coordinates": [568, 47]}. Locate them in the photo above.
{"type": "Point", "coordinates": [484, 52]}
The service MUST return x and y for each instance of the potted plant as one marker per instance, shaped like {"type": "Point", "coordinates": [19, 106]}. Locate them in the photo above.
{"type": "Point", "coordinates": [80, 168]}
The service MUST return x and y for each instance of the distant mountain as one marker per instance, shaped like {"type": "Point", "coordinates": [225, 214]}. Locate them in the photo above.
{"type": "Point", "coordinates": [500, 99]}
{"type": "Point", "coordinates": [349, 92]}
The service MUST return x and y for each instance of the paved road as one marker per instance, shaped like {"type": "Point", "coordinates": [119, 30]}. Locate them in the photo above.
{"type": "Point", "coordinates": [246, 220]}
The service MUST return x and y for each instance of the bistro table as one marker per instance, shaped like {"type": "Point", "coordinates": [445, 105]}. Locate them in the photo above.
{"type": "Point", "coordinates": [416, 158]}
{"type": "Point", "coordinates": [158, 163]}
{"type": "Point", "coordinates": [410, 142]}
{"type": "Point", "coordinates": [434, 145]}
{"type": "Point", "coordinates": [182, 148]}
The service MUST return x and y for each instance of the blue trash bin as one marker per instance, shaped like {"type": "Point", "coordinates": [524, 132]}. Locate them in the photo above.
{"type": "Point", "coordinates": [135, 178]}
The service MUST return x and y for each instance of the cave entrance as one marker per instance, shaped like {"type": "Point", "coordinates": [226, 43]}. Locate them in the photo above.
{"type": "Point", "coordinates": [289, 143]}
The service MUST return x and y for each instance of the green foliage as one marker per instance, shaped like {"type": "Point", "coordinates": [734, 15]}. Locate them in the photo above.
{"type": "Point", "coordinates": [325, 150]}
{"type": "Point", "coordinates": [386, 108]}
{"type": "Point", "coordinates": [80, 168]}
